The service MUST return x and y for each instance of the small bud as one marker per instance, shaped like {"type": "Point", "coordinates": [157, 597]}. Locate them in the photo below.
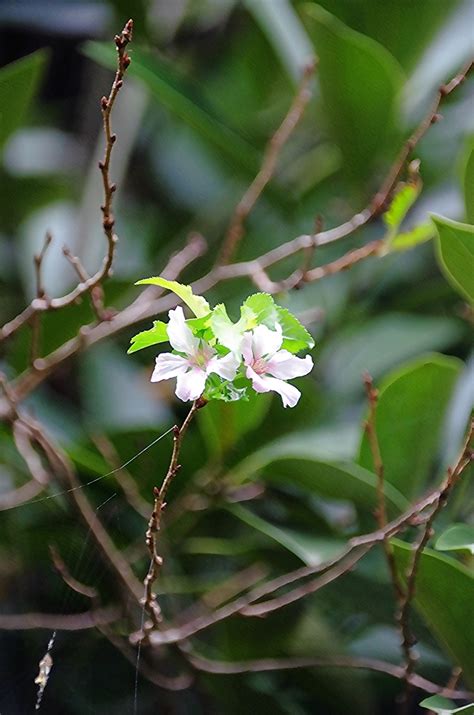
{"type": "Point", "coordinates": [108, 223]}
{"type": "Point", "coordinates": [113, 187]}
{"type": "Point", "coordinates": [113, 138]}
{"type": "Point", "coordinates": [101, 165]}
{"type": "Point", "coordinates": [126, 61]}
{"type": "Point", "coordinates": [119, 84]}
{"type": "Point", "coordinates": [104, 103]}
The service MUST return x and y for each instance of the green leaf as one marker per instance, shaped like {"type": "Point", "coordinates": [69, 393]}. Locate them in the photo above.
{"type": "Point", "coordinates": [174, 92]}
{"type": "Point", "coordinates": [410, 414]}
{"type": "Point", "coordinates": [403, 200]}
{"type": "Point", "coordinates": [297, 461]}
{"type": "Point", "coordinates": [157, 334]}
{"type": "Point", "coordinates": [295, 335]}
{"type": "Point", "coordinates": [310, 549]}
{"type": "Point", "coordinates": [227, 333]}
{"type": "Point", "coordinates": [444, 596]}
{"type": "Point", "coordinates": [360, 84]}
{"type": "Point", "coordinates": [196, 303]}
{"type": "Point", "coordinates": [409, 239]}
{"type": "Point", "coordinates": [19, 82]}
{"type": "Point", "coordinates": [259, 308]}
{"type": "Point", "coordinates": [469, 185]}
{"type": "Point", "coordinates": [457, 537]}
{"type": "Point", "coordinates": [443, 706]}
{"type": "Point", "coordinates": [455, 253]}
{"type": "Point", "coordinates": [380, 344]}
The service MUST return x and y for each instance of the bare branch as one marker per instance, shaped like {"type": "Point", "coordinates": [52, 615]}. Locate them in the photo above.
{"type": "Point", "coordinates": [273, 149]}
{"type": "Point", "coordinates": [154, 523]}
{"type": "Point", "coordinates": [58, 621]}
{"type": "Point", "coordinates": [271, 664]}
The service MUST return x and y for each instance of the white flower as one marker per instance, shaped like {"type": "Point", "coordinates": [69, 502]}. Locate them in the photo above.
{"type": "Point", "coordinates": [200, 360]}
{"type": "Point", "coordinates": [268, 367]}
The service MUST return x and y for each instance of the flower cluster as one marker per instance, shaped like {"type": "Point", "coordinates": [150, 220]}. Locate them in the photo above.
{"type": "Point", "coordinates": [215, 358]}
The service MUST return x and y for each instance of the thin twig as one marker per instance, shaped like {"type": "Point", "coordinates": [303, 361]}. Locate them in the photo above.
{"type": "Point", "coordinates": [355, 549]}
{"type": "Point", "coordinates": [453, 475]}
{"type": "Point", "coordinates": [96, 293]}
{"type": "Point", "coordinates": [271, 664]}
{"type": "Point", "coordinates": [58, 621]}
{"type": "Point", "coordinates": [273, 149]}
{"type": "Point", "coordinates": [381, 511]}
{"type": "Point", "coordinates": [40, 305]}
{"type": "Point", "coordinates": [38, 259]}
{"type": "Point", "coordinates": [154, 523]}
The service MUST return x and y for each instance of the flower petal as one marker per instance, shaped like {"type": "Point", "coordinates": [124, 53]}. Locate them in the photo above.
{"type": "Point", "coordinates": [246, 348]}
{"type": "Point", "coordinates": [262, 383]}
{"type": "Point", "coordinates": [168, 365]}
{"type": "Point", "coordinates": [225, 367]}
{"type": "Point", "coordinates": [265, 341]}
{"type": "Point", "coordinates": [179, 334]}
{"type": "Point", "coordinates": [284, 365]}
{"type": "Point", "coordinates": [190, 385]}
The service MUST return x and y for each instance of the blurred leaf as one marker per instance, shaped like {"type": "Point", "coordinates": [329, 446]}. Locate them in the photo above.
{"type": "Point", "coordinates": [380, 344]}
{"type": "Point", "coordinates": [223, 425]}
{"type": "Point", "coordinates": [21, 195]}
{"type": "Point", "coordinates": [457, 537]}
{"type": "Point", "coordinates": [19, 82]}
{"type": "Point", "coordinates": [444, 596]}
{"type": "Point", "coordinates": [456, 254]}
{"type": "Point", "coordinates": [172, 91]}
{"type": "Point", "coordinates": [392, 23]}
{"type": "Point", "coordinates": [360, 82]}
{"type": "Point", "coordinates": [310, 549]}
{"type": "Point", "coordinates": [157, 334]}
{"type": "Point", "coordinates": [443, 706]}
{"type": "Point", "coordinates": [295, 335]}
{"type": "Point", "coordinates": [409, 239]}
{"type": "Point", "coordinates": [196, 303]}
{"type": "Point", "coordinates": [469, 185]}
{"type": "Point", "coordinates": [410, 414]}
{"type": "Point", "coordinates": [296, 462]}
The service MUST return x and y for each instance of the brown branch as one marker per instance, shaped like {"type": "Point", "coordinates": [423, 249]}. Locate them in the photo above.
{"type": "Point", "coordinates": [40, 293]}
{"type": "Point", "coordinates": [154, 523]}
{"type": "Point", "coordinates": [381, 511]}
{"type": "Point", "coordinates": [453, 476]}
{"type": "Point", "coordinates": [96, 293]}
{"type": "Point", "coordinates": [272, 152]}
{"type": "Point", "coordinates": [181, 632]}
{"type": "Point", "coordinates": [42, 304]}
{"type": "Point", "coordinates": [272, 664]}
{"type": "Point", "coordinates": [68, 578]}
{"type": "Point", "coordinates": [58, 621]}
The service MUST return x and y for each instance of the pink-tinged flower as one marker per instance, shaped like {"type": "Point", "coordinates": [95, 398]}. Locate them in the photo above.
{"type": "Point", "coordinates": [197, 362]}
{"type": "Point", "coordinates": [268, 367]}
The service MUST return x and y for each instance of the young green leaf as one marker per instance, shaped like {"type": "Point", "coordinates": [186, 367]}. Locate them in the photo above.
{"type": "Point", "coordinates": [196, 303]}
{"type": "Point", "coordinates": [157, 334]}
{"type": "Point", "coordinates": [404, 198]}
{"type": "Point", "coordinates": [443, 706]}
{"type": "Point", "coordinates": [409, 239]}
{"type": "Point", "coordinates": [457, 537]}
{"type": "Point", "coordinates": [455, 253]}
{"type": "Point", "coordinates": [227, 333]}
{"type": "Point", "coordinates": [295, 335]}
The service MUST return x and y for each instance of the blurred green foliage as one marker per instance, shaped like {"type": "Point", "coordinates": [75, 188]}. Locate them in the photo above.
{"type": "Point", "coordinates": [209, 84]}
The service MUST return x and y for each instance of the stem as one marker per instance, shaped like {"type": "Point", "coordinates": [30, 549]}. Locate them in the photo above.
{"type": "Point", "coordinates": [154, 523]}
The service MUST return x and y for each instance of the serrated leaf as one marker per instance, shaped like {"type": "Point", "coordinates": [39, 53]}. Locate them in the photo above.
{"type": "Point", "coordinates": [155, 335]}
{"type": "Point", "coordinates": [227, 333]}
{"type": "Point", "coordinates": [455, 253]}
{"type": "Point", "coordinates": [295, 335]}
{"type": "Point", "coordinates": [457, 537]}
{"type": "Point", "coordinates": [403, 200]}
{"type": "Point", "coordinates": [262, 307]}
{"type": "Point", "coordinates": [19, 82]}
{"type": "Point", "coordinates": [196, 303]}
{"type": "Point", "coordinates": [443, 706]}
{"type": "Point", "coordinates": [409, 239]}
